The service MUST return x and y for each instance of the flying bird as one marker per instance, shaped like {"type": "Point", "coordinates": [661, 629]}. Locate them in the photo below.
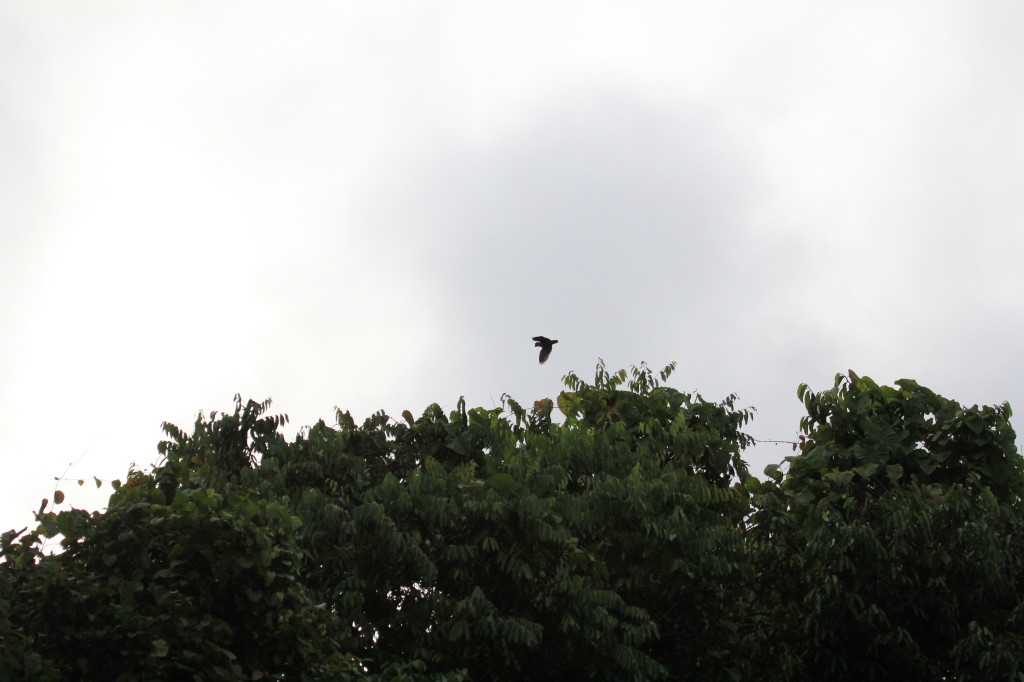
{"type": "Point", "coordinates": [545, 345]}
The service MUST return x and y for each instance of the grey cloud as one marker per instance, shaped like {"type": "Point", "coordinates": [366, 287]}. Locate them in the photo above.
{"type": "Point", "coordinates": [611, 223]}
{"type": "Point", "coordinates": [606, 211]}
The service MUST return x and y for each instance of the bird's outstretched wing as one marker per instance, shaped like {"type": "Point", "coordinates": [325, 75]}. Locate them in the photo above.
{"type": "Point", "coordinates": [545, 351]}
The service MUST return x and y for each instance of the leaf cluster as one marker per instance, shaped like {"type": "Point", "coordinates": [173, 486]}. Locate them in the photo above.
{"type": "Point", "coordinates": [891, 547]}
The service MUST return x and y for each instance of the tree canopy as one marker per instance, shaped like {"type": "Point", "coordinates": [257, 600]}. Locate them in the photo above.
{"type": "Point", "coordinates": [625, 542]}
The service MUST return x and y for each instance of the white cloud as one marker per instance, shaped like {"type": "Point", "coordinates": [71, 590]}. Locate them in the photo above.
{"type": "Point", "coordinates": [377, 204]}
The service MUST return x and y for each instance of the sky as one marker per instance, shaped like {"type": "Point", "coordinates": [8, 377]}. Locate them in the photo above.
{"type": "Point", "coordinates": [376, 204]}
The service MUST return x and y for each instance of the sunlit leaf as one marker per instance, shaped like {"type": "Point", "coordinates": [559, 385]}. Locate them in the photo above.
{"type": "Point", "coordinates": [160, 648]}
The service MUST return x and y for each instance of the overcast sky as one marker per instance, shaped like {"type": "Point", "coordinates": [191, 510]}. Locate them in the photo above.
{"type": "Point", "coordinates": [376, 204]}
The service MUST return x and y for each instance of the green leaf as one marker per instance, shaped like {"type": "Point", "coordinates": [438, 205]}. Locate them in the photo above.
{"type": "Point", "coordinates": [160, 648]}
{"type": "Point", "coordinates": [867, 470]}
{"type": "Point", "coordinates": [568, 403]}
{"type": "Point", "coordinates": [894, 472]}
{"type": "Point", "coordinates": [503, 483]}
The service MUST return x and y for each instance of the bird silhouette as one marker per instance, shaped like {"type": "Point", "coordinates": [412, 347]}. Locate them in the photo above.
{"type": "Point", "coordinates": [545, 346]}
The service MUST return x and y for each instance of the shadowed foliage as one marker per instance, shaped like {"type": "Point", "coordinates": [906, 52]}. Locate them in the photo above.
{"type": "Point", "coordinates": [627, 542]}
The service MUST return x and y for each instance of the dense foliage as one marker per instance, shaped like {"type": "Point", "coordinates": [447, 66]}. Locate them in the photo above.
{"type": "Point", "coordinates": [626, 543]}
{"type": "Point", "coordinates": [892, 548]}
